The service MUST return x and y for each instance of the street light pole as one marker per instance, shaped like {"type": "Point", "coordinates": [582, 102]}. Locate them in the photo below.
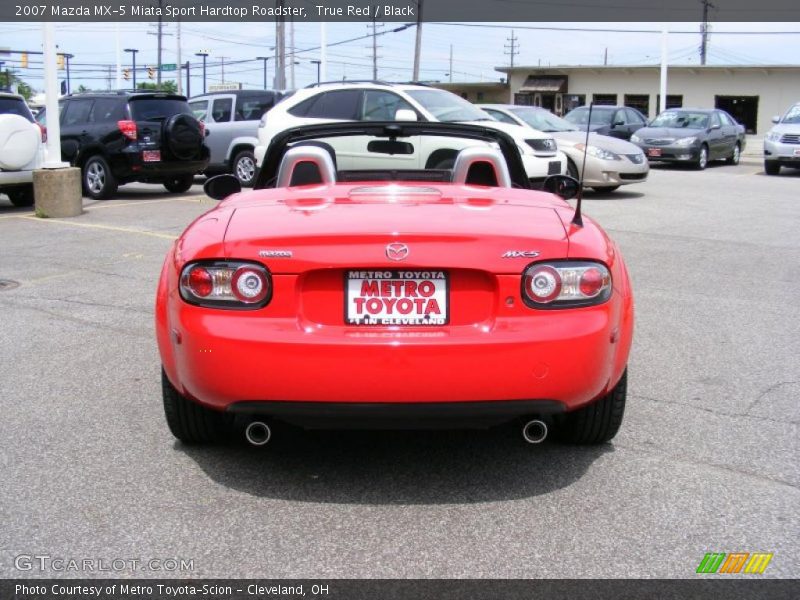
{"type": "Point", "coordinates": [266, 60]}
{"type": "Point", "coordinates": [66, 58]}
{"type": "Point", "coordinates": [318, 63]}
{"type": "Point", "coordinates": [205, 56]}
{"type": "Point", "coordinates": [133, 52]}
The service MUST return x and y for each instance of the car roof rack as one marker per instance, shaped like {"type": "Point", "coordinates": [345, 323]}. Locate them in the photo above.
{"type": "Point", "coordinates": [346, 81]}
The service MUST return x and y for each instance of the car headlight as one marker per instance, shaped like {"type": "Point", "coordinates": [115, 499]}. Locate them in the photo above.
{"type": "Point", "coordinates": [687, 141]}
{"type": "Point", "coordinates": [636, 139]}
{"type": "Point", "coordinates": [598, 152]}
{"type": "Point", "coordinates": [773, 136]}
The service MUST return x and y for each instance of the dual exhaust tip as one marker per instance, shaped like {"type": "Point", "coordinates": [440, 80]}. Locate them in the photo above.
{"type": "Point", "coordinates": [258, 433]}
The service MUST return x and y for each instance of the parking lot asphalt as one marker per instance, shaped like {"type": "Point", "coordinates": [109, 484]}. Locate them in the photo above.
{"type": "Point", "coordinates": [706, 460]}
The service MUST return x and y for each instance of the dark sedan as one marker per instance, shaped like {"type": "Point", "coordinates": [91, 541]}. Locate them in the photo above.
{"type": "Point", "coordinates": [615, 121]}
{"type": "Point", "coordinates": [692, 136]}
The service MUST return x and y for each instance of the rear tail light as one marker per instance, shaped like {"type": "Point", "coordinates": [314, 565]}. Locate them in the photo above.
{"type": "Point", "coordinates": [227, 284]}
{"type": "Point", "coordinates": [43, 131]}
{"type": "Point", "coordinates": [566, 284]}
{"type": "Point", "coordinates": [128, 129]}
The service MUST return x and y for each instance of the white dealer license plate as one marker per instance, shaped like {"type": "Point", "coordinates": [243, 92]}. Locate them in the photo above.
{"type": "Point", "coordinates": [402, 297]}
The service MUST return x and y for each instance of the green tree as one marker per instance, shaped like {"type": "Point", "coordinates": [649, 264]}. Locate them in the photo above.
{"type": "Point", "coordinates": [166, 86]}
{"type": "Point", "coordinates": [9, 79]}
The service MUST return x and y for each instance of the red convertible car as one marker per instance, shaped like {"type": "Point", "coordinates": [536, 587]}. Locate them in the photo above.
{"type": "Point", "coordinates": [338, 296]}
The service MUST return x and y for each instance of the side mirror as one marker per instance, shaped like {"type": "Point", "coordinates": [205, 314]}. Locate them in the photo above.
{"type": "Point", "coordinates": [222, 186]}
{"type": "Point", "coordinates": [404, 114]}
{"type": "Point", "coordinates": [716, 126]}
{"type": "Point", "coordinates": [561, 185]}
{"type": "Point", "coordinates": [618, 123]}
{"type": "Point", "coordinates": [776, 119]}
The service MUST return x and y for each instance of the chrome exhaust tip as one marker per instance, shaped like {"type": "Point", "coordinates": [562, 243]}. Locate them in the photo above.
{"type": "Point", "coordinates": [258, 433]}
{"type": "Point", "coordinates": [535, 431]}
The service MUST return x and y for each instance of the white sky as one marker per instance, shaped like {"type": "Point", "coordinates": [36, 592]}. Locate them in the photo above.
{"type": "Point", "coordinates": [476, 49]}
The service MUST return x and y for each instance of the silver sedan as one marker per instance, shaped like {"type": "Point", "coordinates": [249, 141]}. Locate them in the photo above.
{"type": "Point", "coordinates": [610, 162]}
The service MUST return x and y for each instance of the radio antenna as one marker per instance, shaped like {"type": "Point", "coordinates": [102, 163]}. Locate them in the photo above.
{"type": "Point", "coordinates": [576, 218]}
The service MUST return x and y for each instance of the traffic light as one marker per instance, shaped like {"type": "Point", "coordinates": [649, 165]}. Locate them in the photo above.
{"type": "Point", "coordinates": [60, 61]}
{"type": "Point", "coordinates": [126, 74]}
{"type": "Point", "coordinates": [23, 60]}
{"type": "Point", "coordinates": [151, 72]}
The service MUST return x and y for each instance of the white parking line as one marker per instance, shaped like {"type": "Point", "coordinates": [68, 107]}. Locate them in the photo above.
{"type": "Point", "coordinates": [97, 226]}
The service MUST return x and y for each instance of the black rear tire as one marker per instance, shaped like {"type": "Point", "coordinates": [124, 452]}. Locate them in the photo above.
{"type": "Point", "coordinates": [179, 184]}
{"type": "Point", "coordinates": [600, 421]}
{"type": "Point", "coordinates": [188, 421]}
{"type": "Point", "coordinates": [21, 196]}
{"type": "Point", "coordinates": [702, 161]}
{"type": "Point", "coordinates": [772, 167]}
{"type": "Point", "coordinates": [736, 155]}
{"type": "Point", "coordinates": [99, 182]}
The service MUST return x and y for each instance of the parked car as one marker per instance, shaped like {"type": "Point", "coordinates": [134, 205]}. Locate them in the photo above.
{"type": "Point", "coordinates": [231, 120]}
{"type": "Point", "coordinates": [379, 101]}
{"type": "Point", "coordinates": [393, 296]}
{"type": "Point", "coordinates": [610, 162]}
{"type": "Point", "coordinates": [692, 135]}
{"type": "Point", "coordinates": [21, 149]}
{"type": "Point", "coordinates": [782, 142]}
{"type": "Point", "coordinates": [122, 137]}
{"type": "Point", "coordinates": [615, 121]}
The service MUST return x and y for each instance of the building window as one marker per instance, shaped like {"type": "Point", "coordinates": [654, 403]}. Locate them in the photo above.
{"type": "Point", "coordinates": [523, 99]}
{"type": "Point", "coordinates": [640, 102]}
{"type": "Point", "coordinates": [672, 101]}
{"type": "Point", "coordinates": [480, 96]}
{"type": "Point", "coordinates": [573, 101]}
{"type": "Point", "coordinates": [604, 99]}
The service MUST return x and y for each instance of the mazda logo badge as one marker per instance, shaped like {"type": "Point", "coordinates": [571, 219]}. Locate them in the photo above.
{"type": "Point", "coordinates": [396, 251]}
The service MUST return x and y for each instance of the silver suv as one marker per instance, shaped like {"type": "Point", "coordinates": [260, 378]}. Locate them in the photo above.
{"type": "Point", "coordinates": [782, 142]}
{"type": "Point", "coordinates": [231, 120]}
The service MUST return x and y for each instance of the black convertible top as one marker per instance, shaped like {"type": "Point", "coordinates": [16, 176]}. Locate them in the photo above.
{"type": "Point", "coordinates": [391, 130]}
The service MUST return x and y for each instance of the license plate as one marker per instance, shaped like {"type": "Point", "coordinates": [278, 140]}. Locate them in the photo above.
{"type": "Point", "coordinates": [417, 298]}
{"type": "Point", "coordinates": [151, 155]}
{"type": "Point", "coordinates": [654, 152]}
{"type": "Point", "coordinates": [554, 168]}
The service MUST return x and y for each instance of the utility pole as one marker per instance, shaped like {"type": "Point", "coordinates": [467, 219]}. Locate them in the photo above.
{"type": "Point", "coordinates": [418, 42]}
{"type": "Point", "coordinates": [605, 57]}
{"type": "Point", "coordinates": [180, 62]}
{"type": "Point", "coordinates": [704, 31]}
{"type": "Point", "coordinates": [109, 76]}
{"type": "Point", "coordinates": [280, 48]}
{"type": "Point", "coordinates": [188, 68]}
{"type": "Point", "coordinates": [291, 53]}
{"type": "Point", "coordinates": [451, 63]}
{"type": "Point", "coordinates": [265, 59]}
{"type": "Point", "coordinates": [222, 65]}
{"type": "Point", "coordinates": [159, 34]}
{"type": "Point", "coordinates": [204, 54]}
{"type": "Point", "coordinates": [513, 47]}
{"type": "Point", "coordinates": [374, 27]}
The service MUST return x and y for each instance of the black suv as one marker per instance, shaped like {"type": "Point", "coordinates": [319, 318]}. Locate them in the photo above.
{"type": "Point", "coordinates": [121, 137]}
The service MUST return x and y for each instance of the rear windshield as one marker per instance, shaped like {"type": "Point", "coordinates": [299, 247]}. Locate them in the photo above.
{"type": "Point", "coordinates": [253, 108]}
{"type": "Point", "coordinates": [15, 106]}
{"type": "Point", "coordinates": [157, 109]}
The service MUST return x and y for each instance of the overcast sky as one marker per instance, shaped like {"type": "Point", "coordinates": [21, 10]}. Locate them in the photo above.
{"type": "Point", "coordinates": [477, 48]}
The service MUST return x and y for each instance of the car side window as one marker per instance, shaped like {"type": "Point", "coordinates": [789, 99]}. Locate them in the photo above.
{"type": "Point", "coordinates": [304, 107]}
{"type": "Point", "coordinates": [77, 112]}
{"type": "Point", "coordinates": [340, 104]}
{"type": "Point", "coordinates": [106, 110]}
{"type": "Point", "coordinates": [252, 109]}
{"type": "Point", "coordinates": [221, 110]}
{"type": "Point", "coordinates": [500, 116]}
{"type": "Point", "coordinates": [200, 109]}
{"type": "Point", "coordinates": [726, 118]}
{"type": "Point", "coordinates": [634, 117]}
{"type": "Point", "coordinates": [382, 106]}
{"type": "Point", "coordinates": [619, 117]}
{"type": "Point", "coordinates": [715, 119]}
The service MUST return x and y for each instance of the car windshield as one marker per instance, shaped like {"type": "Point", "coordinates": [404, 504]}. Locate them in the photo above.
{"type": "Point", "coordinates": [580, 116]}
{"type": "Point", "coordinates": [156, 109]}
{"type": "Point", "coordinates": [792, 115]}
{"type": "Point", "coordinates": [681, 119]}
{"type": "Point", "coordinates": [447, 107]}
{"type": "Point", "coordinates": [543, 120]}
{"type": "Point", "coordinates": [15, 106]}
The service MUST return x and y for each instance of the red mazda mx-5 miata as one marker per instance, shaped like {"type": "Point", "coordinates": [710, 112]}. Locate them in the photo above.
{"type": "Point", "coordinates": [339, 295]}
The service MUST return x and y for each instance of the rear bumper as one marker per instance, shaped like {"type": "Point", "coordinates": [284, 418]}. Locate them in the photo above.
{"type": "Point", "coordinates": [229, 360]}
{"type": "Point", "coordinates": [129, 166]}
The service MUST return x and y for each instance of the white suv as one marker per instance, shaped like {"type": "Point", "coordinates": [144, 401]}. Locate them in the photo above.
{"type": "Point", "coordinates": [21, 149]}
{"type": "Point", "coordinates": [378, 101]}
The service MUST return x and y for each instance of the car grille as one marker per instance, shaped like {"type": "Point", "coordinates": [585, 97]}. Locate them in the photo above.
{"type": "Point", "coordinates": [632, 176]}
{"type": "Point", "coordinates": [543, 145]}
{"type": "Point", "coordinates": [659, 141]}
{"type": "Point", "coordinates": [791, 138]}
{"type": "Point", "coordinates": [636, 159]}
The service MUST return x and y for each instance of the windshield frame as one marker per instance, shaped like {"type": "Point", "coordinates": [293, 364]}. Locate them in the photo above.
{"type": "Point", "coordinates": [599, 117]}
{"type": "Point", "coordinates": [456, 102]}
{"type": "Point", "coordinates": [679, 111]}
{"type": "Point", "coordinates": [791, 116]}
{"type": "Point", "coordinates": [519, 111]}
